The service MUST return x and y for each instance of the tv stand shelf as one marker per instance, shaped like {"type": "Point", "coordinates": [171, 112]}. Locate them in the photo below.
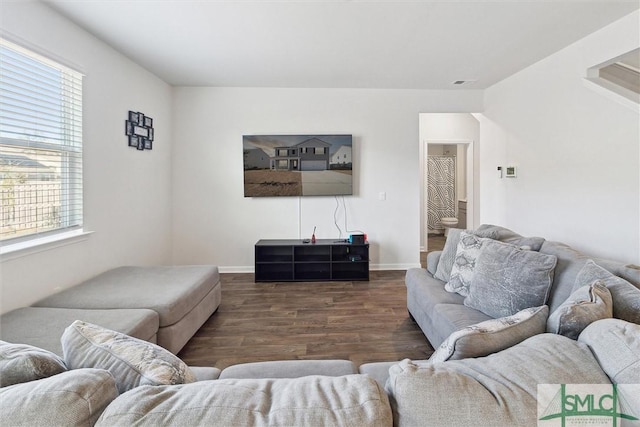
{"type": "Point", "coordinates": [325, 260]}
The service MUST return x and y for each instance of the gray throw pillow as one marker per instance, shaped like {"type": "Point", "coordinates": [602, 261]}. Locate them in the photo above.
{"type": "Point", "coordinates": [492, 336]}
{"type": "Point", "coordinates": [464, 265]}
{"type": "Point", "coordinates": [131, 361]}
{"type": "Point", "coordinates": [448, 255]}
{"type": "Point", "coordinates": [583, 307]}
{"type": "Point", "coordinates": [508, 279]}
{"type": "Point", "coordinates": [625, 296]}
{"type": "Point", "coordinates": [21, 363]}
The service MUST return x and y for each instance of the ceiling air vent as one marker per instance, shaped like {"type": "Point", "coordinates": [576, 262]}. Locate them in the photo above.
{"type": "Point", "coordinates": [462, 82]}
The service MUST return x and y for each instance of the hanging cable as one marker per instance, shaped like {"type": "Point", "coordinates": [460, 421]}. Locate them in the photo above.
{"type": "Point", "coordinates": [346, 227]}
{"type": "Point", "coordinates": [335, 217]}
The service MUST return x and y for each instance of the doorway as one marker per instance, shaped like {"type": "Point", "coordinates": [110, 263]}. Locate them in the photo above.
{"type": "Point", "coordinates": [453, 135]}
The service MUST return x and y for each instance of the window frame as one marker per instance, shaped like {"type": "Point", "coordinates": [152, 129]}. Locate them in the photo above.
{"type": "Point", "coordinates": [69, 147]}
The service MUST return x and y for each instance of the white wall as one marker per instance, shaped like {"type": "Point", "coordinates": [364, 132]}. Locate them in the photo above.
{"type": "Point", "coordinates": [577, 151]}
{"type": "Point", "coordinates": [126, 192]}
{"type": "Point", "coordinates": [214, 223]}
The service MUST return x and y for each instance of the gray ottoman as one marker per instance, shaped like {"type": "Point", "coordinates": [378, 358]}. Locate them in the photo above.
{"type": "Point", "coordinates": [183, 296]}
{"type": "Point", "coordinates": [43, 326]}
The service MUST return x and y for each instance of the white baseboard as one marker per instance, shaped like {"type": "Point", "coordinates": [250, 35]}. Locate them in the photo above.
{"type": "Point", "coordinates": [372, 267]}
{"type": "Point", "coordinates": [380, 267]}
{"type": "Point", "coordinates": [237, 269]}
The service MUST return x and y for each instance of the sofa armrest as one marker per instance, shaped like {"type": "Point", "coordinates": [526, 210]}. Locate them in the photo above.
{"type": "Point", "coordinates": [432, 261]}
{"type": "Point", "coordinates": [616, 345]}
{"type": "Point", "coordinates": [379, 371]}
{"type": "Point", "coordinates": [205, 373]}
{"type": "Point", "coordinates": [72, 398]}
{"type": "Point", "coordinates": [476, 391]}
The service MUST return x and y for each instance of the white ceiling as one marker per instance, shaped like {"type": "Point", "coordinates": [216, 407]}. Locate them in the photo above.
{"type": "Point", "coordinates": [340, 43]}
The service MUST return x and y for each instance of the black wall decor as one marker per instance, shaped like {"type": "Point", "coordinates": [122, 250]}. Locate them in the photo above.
{"type": "Point", "coordinates": [139, 129]}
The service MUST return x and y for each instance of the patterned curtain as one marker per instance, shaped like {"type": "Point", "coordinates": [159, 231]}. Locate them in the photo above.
{"type": "Point", "coordinates": [441, 190]}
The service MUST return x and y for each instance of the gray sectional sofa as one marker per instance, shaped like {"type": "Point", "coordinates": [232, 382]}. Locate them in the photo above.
{"type": "Point", "coordinates": [501, 389]}
{"type": "Point", "coordinates": [485, 371]}
{"type": "Point", "coordinates": [439, 312]}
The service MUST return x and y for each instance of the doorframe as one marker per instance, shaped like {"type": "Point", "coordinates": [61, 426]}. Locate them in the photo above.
{"type": "Point", "coordinates": [424, 199]}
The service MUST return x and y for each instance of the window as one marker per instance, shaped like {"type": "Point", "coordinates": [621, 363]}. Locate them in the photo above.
{"type": "Point", "coordinates": [40, 145]}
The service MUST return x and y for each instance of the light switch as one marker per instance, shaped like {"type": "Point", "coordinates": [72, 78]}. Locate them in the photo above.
{"type": "Point", "coordinates": [382, 195]}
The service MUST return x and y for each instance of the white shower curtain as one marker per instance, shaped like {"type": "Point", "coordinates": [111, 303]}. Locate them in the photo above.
{"type": "Point", "coordinates": [441, 190]}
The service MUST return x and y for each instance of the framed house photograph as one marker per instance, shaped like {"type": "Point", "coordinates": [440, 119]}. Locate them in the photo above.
{"type": "Point", "coordinates": [140, 144]}
{"type": "Point", "coordinates": [150, 134]}
{"type": "Point", "coordinates": [297, 165]}
{"type": "Point", "coordinates": [148, 122]}
{"type": "Point", "coordinates": [148, 144]}
{"type": "Point", "coordinates": [133, 117]}
{"type": "Point", "coordinates": [128, 126]}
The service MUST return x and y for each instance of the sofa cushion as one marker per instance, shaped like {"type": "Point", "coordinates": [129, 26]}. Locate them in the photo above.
{"type": "Point", "coordinates": [21, 363]}
{"type": "Point", "coordinates": [355, 400]}
{"type": "Point", "coordinates": [571, 262]}
{"type": "Point", "coordinates": [424, 293]}
{"type": "Point", "coordinates": [43, 326]}
{"type": "Point", "coordinates": [131, 361]}
{"type": "Point", "coordinates": [508, 279]}
{"type": "Point", "coordinates": [379, 371]}
{"type": "Point", "coordinates": [625, 296]}
{"type": "Point", "coordinates": [492, 335]}
{"type": "Point", "coordinates": [448, 255]}
{"type": "Point", "coordinates": [497, 390]}
{"type": "Point", "coordinates": [464, 265]}
{"type": "Point", "coordinates": [72, 398]}
{"type": "Point", "coordinates": [448, 318]}
{"type": "Point", "coordinates": [508, 236]}
{"type": "Point", "coordinates": [584, 306]}
{"type": "Point", "coordinates": [289, 369]}
{"type": "Point", "coordinates": [616, 345]}
{"type": "Point", "coordinates": [171, 291]}
{"type": "Point", "coordinates": [433, 258]}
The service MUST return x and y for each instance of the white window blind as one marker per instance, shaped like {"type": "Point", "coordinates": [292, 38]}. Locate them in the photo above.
{"type": "Point", "coordinates": [40, 145]}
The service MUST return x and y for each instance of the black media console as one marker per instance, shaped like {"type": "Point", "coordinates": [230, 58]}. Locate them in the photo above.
{"type": "Point", "coordinates": [295, 261]}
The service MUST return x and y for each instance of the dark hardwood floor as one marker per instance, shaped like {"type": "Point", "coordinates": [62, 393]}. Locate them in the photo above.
{"type": "Point", "coordinates": [360, 321]}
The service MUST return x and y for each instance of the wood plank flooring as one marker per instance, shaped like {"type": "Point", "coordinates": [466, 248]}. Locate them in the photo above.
{"type": "Point", "coordinates": [360, 321]}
